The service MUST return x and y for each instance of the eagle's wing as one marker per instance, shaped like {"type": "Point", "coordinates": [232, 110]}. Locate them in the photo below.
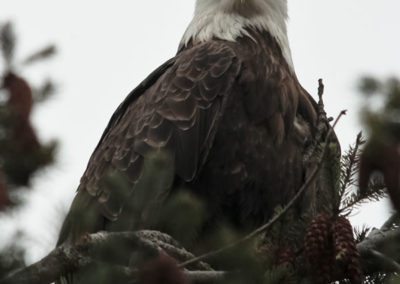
{"type": "Point", "coordinates": [177, 110]}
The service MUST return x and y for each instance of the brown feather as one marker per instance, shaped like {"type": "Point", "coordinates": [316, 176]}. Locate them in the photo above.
{"type": "Point", "coordinates": [225, 111]}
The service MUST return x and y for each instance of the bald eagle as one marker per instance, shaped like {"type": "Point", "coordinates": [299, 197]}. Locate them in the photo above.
{"type": "Point", "coordinates": [228, 108]}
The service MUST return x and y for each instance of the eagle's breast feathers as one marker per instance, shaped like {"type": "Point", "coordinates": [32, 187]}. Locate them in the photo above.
{"type": "Point", "coordinates": [229, 107]}
{"type": "Point", "coordinates": [178, 113]}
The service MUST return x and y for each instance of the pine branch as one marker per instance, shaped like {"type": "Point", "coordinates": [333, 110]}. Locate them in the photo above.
{"type": "Point", "coordinates": [361, 234]}
{"type": "Point", "coordinates": [350, 163]}
{"type": "Point", "coordinates": [96, 248]}
{"type": "Point", "coordinates": [45, 91]}
{"type": "Point", "coordinates": [350, 197]}
{"type": "Point", "coordinates": [376, 250]}
{"type": "Point", "coordinates": [41, 54]}
{"type": "Point", "coordinates": [376, 191]}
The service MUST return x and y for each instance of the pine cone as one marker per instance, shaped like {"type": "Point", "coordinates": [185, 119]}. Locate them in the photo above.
{"type": "Point", "coordinates": [317, 237]}
{"type": "Point", "coordinates": [161, 270]}
{"type": "Point", "coordinates": [319, 249]}
{"type": "Point", "coordinates": [20, 103]}
{"type": "Point", "coordinates": [285, 256]}
{"type": "Point", "coordinates": [346, 252]}
{"type": "Point", "coordinates": [20, 100]}
{"type": "Point", "coordinates": [343, 239]}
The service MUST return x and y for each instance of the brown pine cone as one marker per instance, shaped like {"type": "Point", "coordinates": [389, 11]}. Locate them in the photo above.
{"type": "Point", "coordinates": [346, 252]}
{"type": "Point", "coordinates": [20, 101]}
{"type": "Point", "coordinates": [319, 249]}
{"type": "Point", "coordinates": [162, 270]}
{"type": "Point", "coordinates": [343, 239]}
{"type": "Point", "coordinates": [285, 256]}
{"type": "Point", "coordinates": [317, 237]}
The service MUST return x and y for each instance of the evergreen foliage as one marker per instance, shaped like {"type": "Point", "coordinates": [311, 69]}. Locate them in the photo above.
{"type": "Point", "coordinates": [22, 154]}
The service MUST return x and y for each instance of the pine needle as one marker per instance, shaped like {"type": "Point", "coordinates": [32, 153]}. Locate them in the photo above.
{"type": "Point", "coordinates": [39, 55]}
{"type": "Point", "coordinates": [7, 43]}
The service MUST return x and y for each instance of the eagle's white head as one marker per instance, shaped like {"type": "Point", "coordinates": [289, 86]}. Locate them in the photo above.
{"type": "Point", "coordinates": [228, 20]}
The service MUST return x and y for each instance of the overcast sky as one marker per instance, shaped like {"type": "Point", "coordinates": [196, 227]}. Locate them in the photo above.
{"type": "Point", "coordinates": [107, 47]}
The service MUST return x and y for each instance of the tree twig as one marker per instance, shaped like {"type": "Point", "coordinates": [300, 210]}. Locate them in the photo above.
{"type": "Point", "coordinates": [353, 159]}
{"type": "Point", "coordinates": [206, 277]}
{"type": "Point", "coordinates": [322, 124]}
{"type": "Point", "coordinates": [376, 251]}
{"type": "Point", "coordinates": [388, 225]}
{"type": "Point", "coordinates": [50, 268]}
{"type": "Point", "coordinates": [386, 243]}
{"type": "Point", "coordinates": [92, 248]}
{"type": "Point", "coordinates": [385, 261]}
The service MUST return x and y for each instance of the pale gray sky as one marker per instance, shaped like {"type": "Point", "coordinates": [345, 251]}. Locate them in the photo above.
{"type": "Point", "coordinates": [107, 47]}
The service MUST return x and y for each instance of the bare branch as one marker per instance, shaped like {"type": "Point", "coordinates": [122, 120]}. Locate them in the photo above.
{"type": "Point", "coordinates": [206, 277]}
{"type": "Point", "coordinates": [376, 250]}
{"type": "Point", "coordinates": [391, 264]}
{"type": "Point", "coordinates": [50, 268]}
{"type": "Point", "coordinates": [91, 249]}
{"type": "Point", "coordinates": [66, 259]}
{"type": "Point", "coordinates": [392, 221]}
{"type": "Point", "coordinates": [380, 251]}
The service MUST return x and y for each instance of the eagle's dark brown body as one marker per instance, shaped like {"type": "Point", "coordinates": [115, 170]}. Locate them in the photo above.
{"type": "Point", "coordinates": [256, 160]}
{"type": "Point", "coordinates": [233, 116]}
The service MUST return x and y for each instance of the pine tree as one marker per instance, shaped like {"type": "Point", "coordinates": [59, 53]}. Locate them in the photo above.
{"type": "Point", "coordinates": [22, 154]}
